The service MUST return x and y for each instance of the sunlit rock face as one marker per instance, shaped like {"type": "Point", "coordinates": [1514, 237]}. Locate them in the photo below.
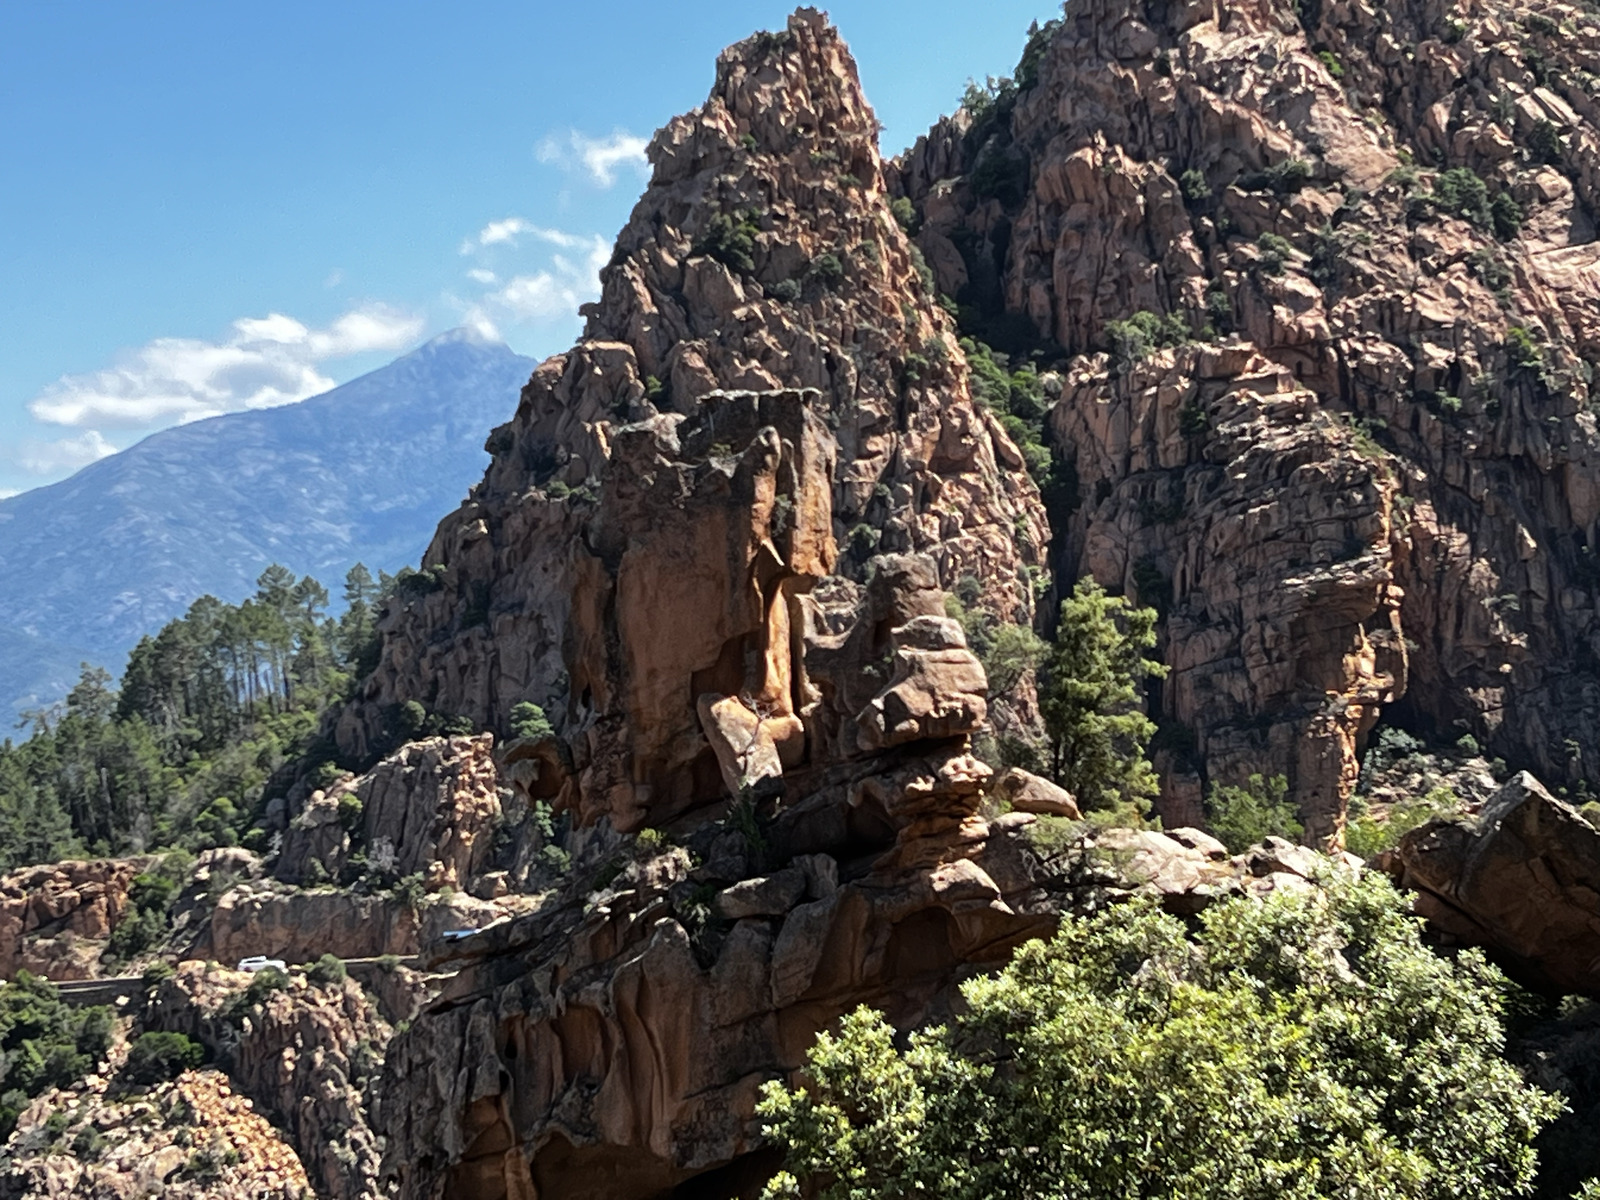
{"type": "Point", "coordinates": [1374, 490]}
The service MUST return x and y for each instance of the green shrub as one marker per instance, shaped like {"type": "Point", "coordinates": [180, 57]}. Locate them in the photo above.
{"type": "Point", "coordinates": [1460, 191]}
{"type": "Point", "coordinates": [157, 1057]}
{"type": "Point", "coordinates": [1545, 145]}
{"type": "Point", "coordinates": [412, 718]}
{"type": "Point", "coordinates": [413, 585]}
{"type": "Point", "coordinates": [263, 984]}
{"type": "Point", "coordinates": [1463, 193]}
{"type": "Point", "coordinates": [1523, 348]}
{"type": "Point", "coordinates": [1242, 816]}
{"type": "Point", "coordinates": [919, 264]}
{"type": "Point", "coordinates": [827, 269]}
{"type": "Point", "coordinates": [1192, 183]}
{"type": "Point", "coordinates": [1275, 252]}
{"type": "Point", "coordinates": [327, 971]}
{"type": "Point", "coordinates": [864, 540]}
{"type": "Point", "coordinates": [904, 214]}
{"type": "Point", "coordinates": [1368, 837]}
{"type": "Point", "coordinates": [150, 898]}
{"type": "Point", "coordinates": [410, 891]}
{"type": "Point", "coordinates": [351, 811]}
{"type": "Point", "coordinates": [785, 290]}
{"type": "Point", "coordinates": [1142, 334]}
{"type": "Point", "coordinates": [1506, 216]}
{"type": "Point", "coordinates": [1303, 1046]}
{"type": "Point", "coordinates": [730, 238]}
{"type": "Point", "coordinates": [44, 1043]}
{"type": "Point", "coordinates": [1284, 178]}
{"type": "Point", "coordinates": [1331, 60]}
{"type": "Point", "coordinates": [528, 721]}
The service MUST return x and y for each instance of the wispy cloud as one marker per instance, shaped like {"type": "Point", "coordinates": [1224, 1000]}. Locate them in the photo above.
{"type": "Point", "coordinates": [511, 230]}
{"type": "Point", "coordinates": [67, 454]}
{"type": "Point", "coordinates": [600, 159]}
{"type": "Point", "coordinates": [265, 361]}
{"type": "Point", "coordinates": [555, 289]}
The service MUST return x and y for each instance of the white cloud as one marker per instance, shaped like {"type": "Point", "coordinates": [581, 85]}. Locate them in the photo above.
{"type": "Point", "coordinates": [265, 361]}
{"type": "Point", "coordinates": [68, 454]}
{"type": "Point", "coordinates": [599, 158]}
{"type": "Point", "coordinates": [7, 493]}
{"type": "Point", "coordinates": [554, 290]}
{"type": "Point", "coordinates": [334, 279]}
{"type": "Point", "coordinates": [508, 231]}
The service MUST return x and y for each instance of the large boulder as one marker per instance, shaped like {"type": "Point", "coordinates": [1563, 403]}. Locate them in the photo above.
{"type": "Point", "coordinates": [1522, 879]}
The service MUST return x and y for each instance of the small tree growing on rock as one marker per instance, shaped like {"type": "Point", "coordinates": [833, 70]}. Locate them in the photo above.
{"type": "Point", "coordinates": [1092, 702]}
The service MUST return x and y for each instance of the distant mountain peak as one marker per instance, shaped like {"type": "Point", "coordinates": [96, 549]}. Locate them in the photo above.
{"type": "Point", "coordinates": [358, 473]}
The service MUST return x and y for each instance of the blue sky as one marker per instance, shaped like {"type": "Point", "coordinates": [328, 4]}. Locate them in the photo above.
{"type": "Point", "coordinates": [207, 206]}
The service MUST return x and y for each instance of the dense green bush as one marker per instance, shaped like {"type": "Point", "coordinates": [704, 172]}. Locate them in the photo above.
{"type": "Point", "coordinates": [1142, 334]}
{"type": "Point", "coordinates": [327, 971]}
{"type": "Point", "coordinates": [1243, 816]}
{"type": "Point", "coordinates": [1523, 348]}
{"type": "Point", "coordinates": [157, 1057]}
{"type": "Point", "coordinates": [1461, 192]}
{"type": "Point", "coordinates": [730, 238]}
{"type": "Point", "coordinates": [43, 1043]}
{"type": "Point", "coordinates": [1545, 145]}
{"type": "Point", "coordinates": [1367, 836]}
{"type": "Point", "coordinates": [1302, 1046]}
{"type": "Point", "coordinates": [528, 721]}
{"type": "Point", "coordinates": [1275, 252]}
{"type": "Point", "coordinates": [150, 898]}
{"type": "Point", "coordinates": [1284, 178]}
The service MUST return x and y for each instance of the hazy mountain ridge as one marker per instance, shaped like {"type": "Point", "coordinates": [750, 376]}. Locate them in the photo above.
{"type": "Point", "coordinates": [359, 473]}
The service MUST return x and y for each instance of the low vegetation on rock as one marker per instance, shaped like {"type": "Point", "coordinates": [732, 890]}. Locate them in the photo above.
{"type": "Point", "coordinates": [44, 1043]}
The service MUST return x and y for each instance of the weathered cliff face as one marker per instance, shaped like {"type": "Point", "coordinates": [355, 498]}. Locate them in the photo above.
{"type": "Point", "coordinates": [1152, 156]}
{"type": "Point", "coordinates": [763, 256]}
{"type": "Point", "coordinates": [1224, 495]}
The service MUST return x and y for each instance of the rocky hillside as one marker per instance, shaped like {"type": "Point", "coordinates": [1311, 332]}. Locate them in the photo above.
{"type": "Point", "coordinates": [1309, 300]}
{"type": "Point", "coordinates": [359, 474]}
{"type": "Point", "coordinates": [1371, 491]}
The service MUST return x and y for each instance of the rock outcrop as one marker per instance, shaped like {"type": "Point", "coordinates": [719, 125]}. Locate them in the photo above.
{"type": "Point", "coordinates": [54, 919]}
{"type": "Point", "coordinates": [613, 1044]}
{"type": "Point", "coordinates": [1523, 879]}
{"type": "Point", "coordinates": [194, 1138]}
{"type": "Point", "coordinates": [1247, 171]}
{"type": "Point", "coordinates": [307, 1055]}
{"type": "Point", "coordinates": [713, 547]}
{"type": "Point", "coordinates": [430, 809]}
{"type": "Point", "coordinates": [765, 347]}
